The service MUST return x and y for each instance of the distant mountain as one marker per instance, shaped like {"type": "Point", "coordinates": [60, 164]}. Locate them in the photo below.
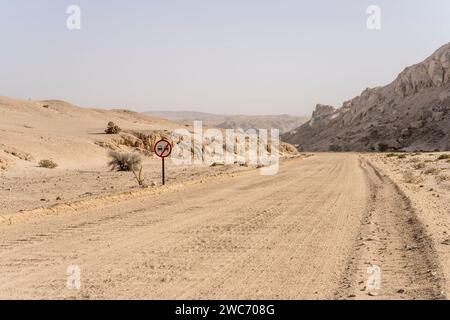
{"type": "Point", "coordinates": [411, 113]}
{"type": "Point", "coordinates": [282, 122]}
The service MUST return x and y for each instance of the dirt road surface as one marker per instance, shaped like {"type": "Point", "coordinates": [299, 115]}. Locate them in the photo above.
{"type": "Point", "coordinates": [309, 232]}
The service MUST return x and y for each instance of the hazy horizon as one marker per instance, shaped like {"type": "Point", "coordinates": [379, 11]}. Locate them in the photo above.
{"type": "Point", "coordinates": [235, 57]}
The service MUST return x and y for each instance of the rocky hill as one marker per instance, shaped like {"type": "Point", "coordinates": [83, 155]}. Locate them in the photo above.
{"type": "Point", "coordinates": [283, 122]}
{"type": "Point", "coordinates": [412, 113]}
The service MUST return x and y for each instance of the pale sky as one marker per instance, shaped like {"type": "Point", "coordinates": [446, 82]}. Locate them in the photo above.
{"type": "Point", "coordinates": [229, 56]}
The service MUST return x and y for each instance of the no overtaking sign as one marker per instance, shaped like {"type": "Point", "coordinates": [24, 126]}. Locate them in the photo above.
{"type": "Point", "coordinates": [163, 149]}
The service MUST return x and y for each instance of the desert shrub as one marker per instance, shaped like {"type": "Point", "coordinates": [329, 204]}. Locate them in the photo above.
{"type": "Point", "coordinates": [391, 155]}
{"type": "Point", "coordinates": [383, 147]}
{"type": "Point", "coordinates": [402, 156]}
{"type": "Point", "coordinates": [433, 171]}
{"type": "Point", "coordinates": [442, 178]}
{"type": "Point", "coordinates": [335, 148]}
{"type": "Point", "coordinates": [444, 157]}
{"type": "Point", "coordinates": [49, 164]}
{"type": "Point", "coordinates": [112, 128]}
{"type": "Point", "coordinates": [409, 177]}
{"type": "Point", "coordinates": [215, 164]}
{"type": "Point", "coordinates": [419, 165]}
{"type": "Point", "coordinates": [127, 162]}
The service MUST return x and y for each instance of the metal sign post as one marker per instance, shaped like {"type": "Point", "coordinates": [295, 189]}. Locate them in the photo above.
{"type": "Point", "coordinates": [163, 149]}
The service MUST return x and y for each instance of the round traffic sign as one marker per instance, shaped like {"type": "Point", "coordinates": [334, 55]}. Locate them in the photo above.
{"type": "Point", "coordinates": [163, 148]}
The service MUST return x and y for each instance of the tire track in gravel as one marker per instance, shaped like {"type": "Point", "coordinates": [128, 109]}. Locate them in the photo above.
{"type": "Point", "coordinates": [289, 236]}
{"type": "Point", "coordinates": [392, 239]}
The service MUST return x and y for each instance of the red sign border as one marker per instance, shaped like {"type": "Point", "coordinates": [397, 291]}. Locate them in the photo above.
{"type": "Point", "coordinates": [162, 140]}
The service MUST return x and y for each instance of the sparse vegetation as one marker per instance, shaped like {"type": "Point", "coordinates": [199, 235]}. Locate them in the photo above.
{"type": "Point", "coordinates": [112, 128]}
{"type": "Point", "coordinates": [419, 165]}
{"type": "Point", "coordinates": [383, 147]}
{"type": "Point", "coordinates": [48, 164]}
{"type": "Point", "coordinates": [409, 177]}
{"type": "Point", "coordinates": [442, 178]}
{"type": "Point", "coordinates": [335, 148]}
{"type": "Point", "coordinates": [444, 157]}
{"type": "Point", "coordinates": [433, 171]}
{"type": "Point", "coordinates": [401, 156]}
{"type": "Point", "coordinates": [131, 162]}
{"type": "Point", "coordinates": [215, 164]}
{"type": "Point", "coordinates": [391, 155]}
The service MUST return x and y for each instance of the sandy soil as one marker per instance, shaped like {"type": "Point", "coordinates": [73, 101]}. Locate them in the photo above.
{"type": "Point", "coordinates": [307, 233]}
{"type": "Point", "coordinates": [424, 179]}
{"type": "Point", "coordinates": [41, 188]}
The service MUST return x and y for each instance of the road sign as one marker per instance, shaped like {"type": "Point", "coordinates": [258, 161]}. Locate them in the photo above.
{"type": "Point", "coordinates": [163, 149]}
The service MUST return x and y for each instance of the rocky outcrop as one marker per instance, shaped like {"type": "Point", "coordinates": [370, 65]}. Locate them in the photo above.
{"type": "Point", "coordinates": [322, 110]}
{"type": "Point", "coordinates": [411, 113]}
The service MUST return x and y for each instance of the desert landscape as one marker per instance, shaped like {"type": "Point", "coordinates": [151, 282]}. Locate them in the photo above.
{"type": "Point", "coordinates": [258, 202]}
{"type": "Point", "coordinates": [213, 231]}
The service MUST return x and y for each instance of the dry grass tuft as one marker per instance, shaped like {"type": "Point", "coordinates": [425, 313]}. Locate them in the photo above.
{"type": "Point", "coordinates": [444, 157]}
{"type": "Point", "coordinates": [432, 171]}
{"type": "Point", "coordinates": [419, 165]}
{"type": "Point", "coordinates": [410, 177]}
{"type": "Point", "coordinates": [127, 162]}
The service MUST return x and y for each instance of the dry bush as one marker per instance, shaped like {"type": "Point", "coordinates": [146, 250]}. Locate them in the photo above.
{"type": "Point", "coordinates": [444, 157]}
{"type": "Point", "coordinates": [402, 156]}
{"type": "Point", "coordinates": [49, 164]}
{"type": "Point", "coordinates": [112, 128]}
{"type": "Point", "coordinates": [334, 148]}
{"type": "Point", "coordinates": [442, 178]}
{"type": "Point", "coordinates": [391, 155]}
{"type": "Point", "coordinates": [419, 165]}
{"type": "Point", "coordinates": [409, 177]}
{"type": "Point", "coordinates": [383, 147]}
{"type": "Point", "coordinates": [127, 162]}
{"type": "Point", "coordinates": [215, 164]}
{"type": "Point", "coordinates": [433, 171]}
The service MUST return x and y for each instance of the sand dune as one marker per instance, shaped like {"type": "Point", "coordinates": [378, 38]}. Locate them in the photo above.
{"type": "Point", "coordinates": [57, 130]}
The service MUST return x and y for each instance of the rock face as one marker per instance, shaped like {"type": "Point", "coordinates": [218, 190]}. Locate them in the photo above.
{"type": "Point", "coordinates": [412, 113]}
{"type": "Point", "coordinates": [283, 122]}
{"type": "Point", "coordinates": [323, 110]}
